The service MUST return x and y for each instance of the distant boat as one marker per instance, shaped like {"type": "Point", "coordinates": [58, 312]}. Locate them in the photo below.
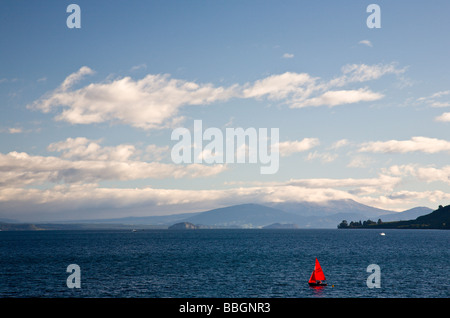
{"type": "Point", "coordinates": [317, 276]}
{"type": "Point", "coordinates": [134, 230]}
{"type": "Point", "coordinates": [382, 234]}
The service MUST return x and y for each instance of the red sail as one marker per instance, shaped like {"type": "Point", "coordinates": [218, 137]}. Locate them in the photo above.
{"type": "Point", "coordinates": [318, 273]}
{"type": "Point", "coordinates": [312, 279]}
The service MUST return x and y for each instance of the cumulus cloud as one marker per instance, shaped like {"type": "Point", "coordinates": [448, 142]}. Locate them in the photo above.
{"type": "Point", "coordinates": [380, 191]}
{"type": "Point", "coordinates": [154, 200]}
{"type": "Point", "coordinates": [416, 144]}
{"type": "Point", "coordinates": [422, 173]}
{"type": "Point", "coordinates": [154, 102]}
{"type": "Point", "coordinates": [384, 182]}
{"type": "Point", "coordinates": [287, 148]}
{"type": "Point", "coordinates": [151, 102]}
{"type": "Point", "coordinates": [281, 86]}
{"type": "Point", "coordinates": [84, 149]}
{"type": "Point", "coordinates": [445, 117]}
{"type": "Point", "coordinates": [86, 161]}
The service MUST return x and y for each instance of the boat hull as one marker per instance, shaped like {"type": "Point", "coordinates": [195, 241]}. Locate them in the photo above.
{"type": "Point", "coordinates": [317, 284]}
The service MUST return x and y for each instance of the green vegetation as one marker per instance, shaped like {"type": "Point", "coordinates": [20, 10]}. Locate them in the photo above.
{"type": "Point", "coordinates": [353, 225]}
{"type": "Point", "coordinates": [438, 219]}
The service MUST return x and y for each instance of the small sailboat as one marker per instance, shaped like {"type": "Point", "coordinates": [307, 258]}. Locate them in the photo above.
{"type": "Point", "coordinates": [317, 276]}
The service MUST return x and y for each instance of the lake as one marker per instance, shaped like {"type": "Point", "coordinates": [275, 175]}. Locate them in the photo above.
{"type": "Point", "coordinates": [225, 263]}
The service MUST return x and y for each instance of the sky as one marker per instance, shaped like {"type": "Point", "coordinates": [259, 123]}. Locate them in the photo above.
{"type": "Point", "coordinates": [88, 114]}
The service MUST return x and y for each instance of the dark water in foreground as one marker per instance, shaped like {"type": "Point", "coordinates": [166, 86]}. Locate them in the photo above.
{"type": "Point", "coordinates": [224, 263]}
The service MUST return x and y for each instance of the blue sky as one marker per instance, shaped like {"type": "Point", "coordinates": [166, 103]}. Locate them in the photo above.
{"type": "Point", "coordinates": [87, 114]}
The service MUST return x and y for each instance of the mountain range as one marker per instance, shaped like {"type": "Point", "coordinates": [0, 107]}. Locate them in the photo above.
{"type": "Point", "coordinates": [300, 214]}
{"type": "Point", "coordinates": [285, 214]}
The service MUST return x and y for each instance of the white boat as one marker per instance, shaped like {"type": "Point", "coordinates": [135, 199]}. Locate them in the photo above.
{"type": "Point", "coordinates": [382, 234]}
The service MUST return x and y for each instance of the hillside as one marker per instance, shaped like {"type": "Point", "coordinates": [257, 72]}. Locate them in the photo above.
{"type": "Point", "coordinates": [438, 219]}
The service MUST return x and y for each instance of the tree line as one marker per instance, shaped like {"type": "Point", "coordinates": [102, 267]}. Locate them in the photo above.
{"type": "Point", "coordinates": [344, 224]}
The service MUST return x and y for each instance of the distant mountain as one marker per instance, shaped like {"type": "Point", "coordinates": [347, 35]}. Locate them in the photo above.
{"type": "Point", "coordinates": [406, 215]}
{"type": "Point", "coordinates": [138, 220]}
{"type": "Point", "coordinates": [303, 214]}
{"type": "Point", "coordinates": [329, 208]}
{"type": "Point", "coordinates": [244, 216]}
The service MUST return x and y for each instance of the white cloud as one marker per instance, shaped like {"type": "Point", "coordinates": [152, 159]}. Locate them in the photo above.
{"type": "Point", "coordinates": [334, 98]}
{"type": "Point", "coordinates": [154, 101]}
{"type": "Point", "coordinates": [156, 153]}
{"type": "Point", "coordinates": [287, 148]}
{"type": "Point", "coordinates": [84, 149]}
{"type": "Point", "coordinates": [425, 174]}
{"type": "Point", "coordinates": [434, 96]}
{"type": "Point", "coordinates": [75, 77]}
{"type": "Point", "coordinates": [325, 157]}
{"type": "Point", "coordinates": [384, 182]}
{"type": "Point", "coordinates": [433, 101]}
{"type": "Point", "coordinates": [88, 197]}
{"type": "Point", "coordinates": [151, 102]}
{"type": "Point", "coordinates": [340, 143]}
{"type": "Point", "coordinates": [362, 72]}
{"type": "Point", "coordinates": [15, 130]}
{"type": "Point", "coordinates": [360, 162]}
{"type": "Point", "coordinates": [288, 55]}
{"type": "Point", "coordinates": [440, 104]}
{"type": "Point", "coordinates": [416, 144]}
{"type": "Point", "coordinates": [366, 42]}
{"type": "Point", "coordinates": [445, 117]}
{"type": "Point", "coordinates": [280, 86]}
{"type": "Point", "coordinates": [85, 161]}
{"type": "Point", "coordinates": [138, 67]}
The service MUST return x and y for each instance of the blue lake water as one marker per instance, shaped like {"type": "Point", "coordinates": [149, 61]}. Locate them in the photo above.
{"type": "Point", "coordinates": [225, 263]}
